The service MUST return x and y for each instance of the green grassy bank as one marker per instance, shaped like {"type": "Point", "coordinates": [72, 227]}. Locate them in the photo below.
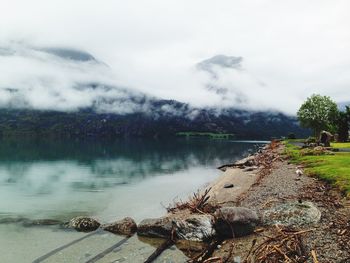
{"type": "Point", "coordinates": [340, 145]}
{"type": "Point", "coordinates": [332, 168]}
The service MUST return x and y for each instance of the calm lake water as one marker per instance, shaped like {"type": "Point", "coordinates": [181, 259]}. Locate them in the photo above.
{"type": "Point", "coordinates": [106, 179]}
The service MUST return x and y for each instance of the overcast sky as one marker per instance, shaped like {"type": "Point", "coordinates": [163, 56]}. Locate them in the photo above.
{"type": "Point", "coordinates": [290, 49]}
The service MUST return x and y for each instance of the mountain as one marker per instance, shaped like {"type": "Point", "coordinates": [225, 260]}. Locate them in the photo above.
{"type": "Point", "coordinates": [158, 122]}
{"type": "Point", "coordinates": [65, 92]}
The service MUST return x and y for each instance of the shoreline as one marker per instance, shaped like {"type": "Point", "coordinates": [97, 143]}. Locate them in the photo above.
{"type": "Point", "coordinates": [261, 183]}
{"type": "Point", "coordinates": [276, 183]}
{"type": "Point", "coordinates": [328, 239]}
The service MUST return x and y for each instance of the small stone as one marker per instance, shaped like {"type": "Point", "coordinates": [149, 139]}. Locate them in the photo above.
{"type": "Point", "coordinates": [237, 259]}
{"type": "Point", "coordinates": [228, 185]}
{"type": "Point", "coordinates": [84, 224]}
{"type": "Point", "coordinates": [126, 226]}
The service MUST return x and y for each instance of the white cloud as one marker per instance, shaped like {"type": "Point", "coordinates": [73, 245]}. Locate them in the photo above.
{"type": "Point", "coordinates": [293, 47]}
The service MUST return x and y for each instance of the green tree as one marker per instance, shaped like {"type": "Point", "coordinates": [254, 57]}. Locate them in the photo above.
{"type": "Point", "coordinates": [318, 113]}
{"type": "Point", "coordinates": [343, 124]}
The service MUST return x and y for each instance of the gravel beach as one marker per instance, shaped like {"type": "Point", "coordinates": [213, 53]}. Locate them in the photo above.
{"type": "Point", "coordinates": [326, 241]}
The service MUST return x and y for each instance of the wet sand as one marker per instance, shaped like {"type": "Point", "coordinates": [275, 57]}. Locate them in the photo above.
{"type": "Point", "coordinates": [241, 181]}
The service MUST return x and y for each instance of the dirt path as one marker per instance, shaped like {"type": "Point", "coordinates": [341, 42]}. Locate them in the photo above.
{"type": "Point", "coordinates": [329, 239]}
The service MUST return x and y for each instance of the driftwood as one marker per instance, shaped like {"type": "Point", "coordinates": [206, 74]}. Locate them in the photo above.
{"type": "Point", "coordinates": [198, 203]}
{"type": "Point", "coordinates": [287, 246]}
{"type": "Point", "coordinates": [213, 259]}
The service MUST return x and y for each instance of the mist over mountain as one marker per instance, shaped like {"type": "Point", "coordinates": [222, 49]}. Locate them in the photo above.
{"type": "Point", "coordinates": [68, 53]}
{"type": "Point", "coordinates": [61, 79]}
{"type": "Point", "coordinates": [67, 92]}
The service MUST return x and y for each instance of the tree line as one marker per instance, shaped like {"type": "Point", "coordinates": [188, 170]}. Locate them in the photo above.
{"type": "Point", "coordinates": [321, 113]}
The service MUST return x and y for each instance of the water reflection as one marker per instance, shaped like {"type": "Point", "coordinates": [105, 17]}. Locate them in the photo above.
{"type": "Point", "coordinates": [59, 178]}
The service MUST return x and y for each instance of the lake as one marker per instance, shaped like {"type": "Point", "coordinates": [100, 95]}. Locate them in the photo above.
{"type": "Point", "coordinates": [48, 179]}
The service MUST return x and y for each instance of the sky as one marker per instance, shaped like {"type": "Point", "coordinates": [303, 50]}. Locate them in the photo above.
{"type": "Point", "coordinates": [286, 50]}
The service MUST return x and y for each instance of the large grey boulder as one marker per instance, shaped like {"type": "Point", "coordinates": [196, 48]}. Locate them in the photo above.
{"type": "Point", "coordinates": [195, 228]}
{"type": "Point", "coordinates": [292, 214]}
{"type": "Point", "coordinates": [84, 224]}
{"type": "Point", "coordinates": [235, 221]}
{"type": "Point", "coordinates": [155, 227]}
{"type": "Point", "coordinates": [126, 226]}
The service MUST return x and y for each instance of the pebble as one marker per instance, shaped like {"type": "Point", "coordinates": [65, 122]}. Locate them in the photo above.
{"type": "Point", "coordinates": [228, 185]}
{"type": "Point", "coordinates": [237, 259]}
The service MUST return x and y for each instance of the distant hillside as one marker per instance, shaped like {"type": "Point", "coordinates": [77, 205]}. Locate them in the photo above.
{"type": "Point", "coordinates": [156, 123]}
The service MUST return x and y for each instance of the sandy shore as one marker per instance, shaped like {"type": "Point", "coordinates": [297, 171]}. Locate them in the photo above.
{"type": "Point", "coordinates": [241, 181]}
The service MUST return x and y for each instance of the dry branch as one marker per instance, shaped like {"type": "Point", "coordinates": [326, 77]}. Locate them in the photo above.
{"type": "Point", "coordinates": [198, 203]}
{"type": "Point", "coordinates": [286, 246]}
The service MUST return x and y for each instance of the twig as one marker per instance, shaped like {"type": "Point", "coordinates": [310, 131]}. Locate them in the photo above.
{"type": "Point", "coordinates": [283, 254]}
{"type": "Point", "coordinates": [314, 257]}
{"type": "Point", "coordinates": [212, 259]}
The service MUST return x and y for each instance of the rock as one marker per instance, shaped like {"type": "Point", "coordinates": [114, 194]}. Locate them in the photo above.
{"type": "Point", "coordinates": [126, 226]}
{"type": "Point", "coordinates": [195, 228]}
{"type": "Point", "coordinates": [84, 224]}
{"type": "Point", "coordinates": [235, 221]}
{"type": "Point", "coordinates": [292, 214]}
{"type": "Point", "coordinates": [155, 227]}
{"type": "Point", "coordinates": [228, 185]}
{"type": "Point", "coordinates": [248, 161]}
{"type": "Point", "coordinates": [318, 150]}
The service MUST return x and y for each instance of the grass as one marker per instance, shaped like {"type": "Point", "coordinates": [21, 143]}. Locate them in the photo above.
{"type": "Point", "coordinates": [340, 144]}
{"type": "Point", "coordinates": [296, 140]}
{"type": "Point", "coordinates": [331, 168]}
{"type": "Point", "coordinates": [206, 134]}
